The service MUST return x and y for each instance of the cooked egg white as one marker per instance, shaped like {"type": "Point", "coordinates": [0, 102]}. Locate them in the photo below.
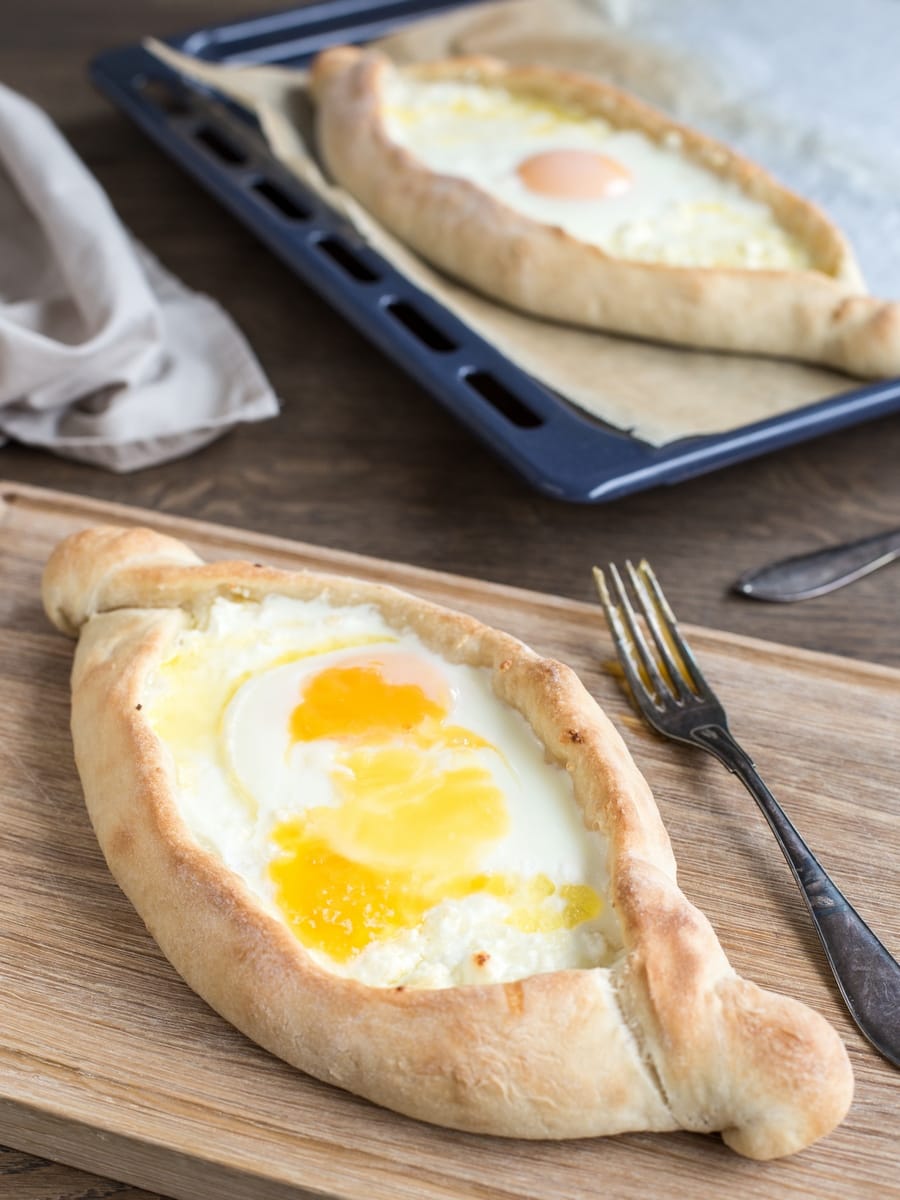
{"type": "Point", "coordinates": [613, 188]}
{"type": "Point", "coordinates": [378, 799]}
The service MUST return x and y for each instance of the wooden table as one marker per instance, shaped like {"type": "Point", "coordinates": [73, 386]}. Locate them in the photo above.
{"type": "Point", "coordinates": [361, 459]}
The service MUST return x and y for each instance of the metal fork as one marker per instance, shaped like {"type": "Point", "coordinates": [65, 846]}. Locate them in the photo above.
{"type": "Point", "coordinates": [674, 698]}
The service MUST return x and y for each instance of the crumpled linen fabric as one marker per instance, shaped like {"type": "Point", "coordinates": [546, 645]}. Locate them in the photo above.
{"type": "Point", "coordinates": [105, 356]}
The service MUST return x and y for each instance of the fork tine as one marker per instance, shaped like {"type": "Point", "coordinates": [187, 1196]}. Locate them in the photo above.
{"type": "Point", "coordinates": [648, 662]}
{"type": "Point", "coordinates": [672, 632]}
{"type": "Point", "coordinates": [651, 612]}
{"type": "Point", "coordinates": [629, 637]}
{"type": "Point", "coordinates": [628, 661]}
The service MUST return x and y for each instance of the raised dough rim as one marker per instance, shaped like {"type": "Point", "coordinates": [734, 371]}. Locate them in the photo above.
{"type": "Point", "coordinates": [112, 661]}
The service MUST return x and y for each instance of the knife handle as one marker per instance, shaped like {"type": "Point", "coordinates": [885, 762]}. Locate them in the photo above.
{"type": "Point", "coordinates": [809, 575]}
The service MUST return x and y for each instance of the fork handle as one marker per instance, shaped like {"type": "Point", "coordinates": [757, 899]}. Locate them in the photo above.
{"type": "Point", "coordinates": [867, 975]}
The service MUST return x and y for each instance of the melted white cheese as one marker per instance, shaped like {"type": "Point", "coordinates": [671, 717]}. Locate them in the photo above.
{"type": "Point", "coordinates": [222, 703]}
{"type": "Point", "coordinates": [675, 212]}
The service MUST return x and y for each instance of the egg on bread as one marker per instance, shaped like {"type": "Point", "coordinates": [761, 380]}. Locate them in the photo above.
{"type": "Point", "coordinates": [412, 858]}
{"type": "Point", "coordinates": [570, 199]}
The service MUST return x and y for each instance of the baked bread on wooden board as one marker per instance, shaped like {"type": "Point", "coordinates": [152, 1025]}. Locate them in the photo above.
{"type": "Point", "coordinates": [571, 199]}
{"type": "Point", "coordinates": [657, 1032]}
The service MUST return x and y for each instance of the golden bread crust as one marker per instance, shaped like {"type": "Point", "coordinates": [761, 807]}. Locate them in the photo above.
{"type": "Point", "coordinates": [820, 315]}
{"type": "Point", "coordinates": [668, 1037]}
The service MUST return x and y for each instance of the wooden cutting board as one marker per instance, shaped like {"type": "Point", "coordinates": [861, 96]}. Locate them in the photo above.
{"type": "Point", "coordinates": [108, 1062]}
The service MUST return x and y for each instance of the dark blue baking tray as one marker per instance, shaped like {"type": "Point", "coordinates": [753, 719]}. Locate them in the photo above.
{"type": "Point", "coordinates": [561, 451]}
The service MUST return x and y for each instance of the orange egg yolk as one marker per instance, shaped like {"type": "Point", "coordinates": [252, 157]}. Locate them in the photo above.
{"type": "Point", "coordinates": [574, 175]}
{"type": "Point", "coordinates": [356, 700]}
{"type": "Point", "coordinates": [416, 809]}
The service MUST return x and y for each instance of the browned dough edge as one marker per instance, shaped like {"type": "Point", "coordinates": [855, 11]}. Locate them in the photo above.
{"type": "Point", "coordinates": [669, 1037]}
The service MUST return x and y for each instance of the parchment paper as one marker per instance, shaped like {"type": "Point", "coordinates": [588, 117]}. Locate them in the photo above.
{"type": "Point", "coordinates": [725, 69]}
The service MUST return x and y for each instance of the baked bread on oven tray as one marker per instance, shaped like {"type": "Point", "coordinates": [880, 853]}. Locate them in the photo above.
{"type": "Point", "coordinates": [568, 198]}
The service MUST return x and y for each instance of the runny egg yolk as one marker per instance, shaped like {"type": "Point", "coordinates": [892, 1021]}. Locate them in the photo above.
{"type": "Point", "coordinates": [416, 809]}
{"type": "Point", "coordinates": [574, 175]}
{"type": "Point", "coordinates": [368, 699]}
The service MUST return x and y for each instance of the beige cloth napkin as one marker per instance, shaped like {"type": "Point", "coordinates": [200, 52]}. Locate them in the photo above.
{"type": "Point", "coordinates": [104, 356]}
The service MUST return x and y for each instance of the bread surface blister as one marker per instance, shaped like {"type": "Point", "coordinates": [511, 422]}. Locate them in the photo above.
{"type": "Point", "coordinates": [263, 754]}
{"type": "Point", "coordinates": [567, 198]}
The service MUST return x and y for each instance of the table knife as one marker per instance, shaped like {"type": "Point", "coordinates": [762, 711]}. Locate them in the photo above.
{"type": "Point", "coordinates": [808, 575]}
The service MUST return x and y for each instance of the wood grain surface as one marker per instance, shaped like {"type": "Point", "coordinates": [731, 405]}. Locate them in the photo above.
{"type": "Point", "coordinates": [362, 460]}
{"type": "Point", "coordinates": [108, 1061]}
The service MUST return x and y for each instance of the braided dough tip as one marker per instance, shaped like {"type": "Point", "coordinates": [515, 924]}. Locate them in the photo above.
{"type": "Point", "coordinates": [83, 568]}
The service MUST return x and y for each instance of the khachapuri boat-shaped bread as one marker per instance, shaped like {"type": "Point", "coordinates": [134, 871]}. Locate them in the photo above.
{"type": "Point", "coordinates": [570, 199]}
{"type": "Point", "coordinates": [409, 856]}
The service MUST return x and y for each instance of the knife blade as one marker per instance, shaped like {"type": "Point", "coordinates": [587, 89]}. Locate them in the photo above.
{"type": "Point", "coordinates": [808, 575]}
